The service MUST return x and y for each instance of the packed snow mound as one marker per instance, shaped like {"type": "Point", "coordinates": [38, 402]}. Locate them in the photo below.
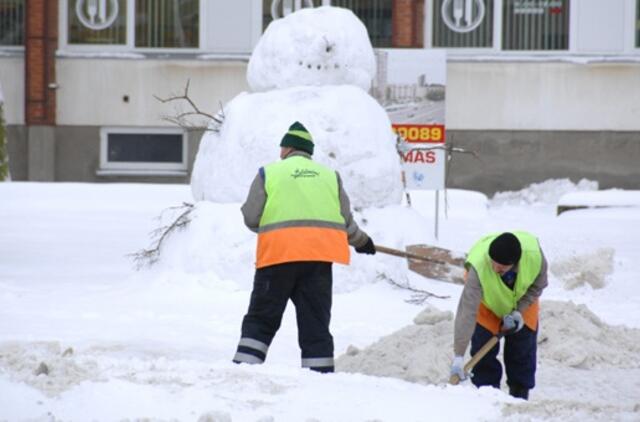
{"type": "Point", "coordinates": [574, 336]}
{"type": "Point", "coordinates": [418, 353]}
{"type": "Point", "coordinates": [351, 132]}
{"type": "Point", "coordinates": [313, 46]}
{"type": "Point", "coordinates": [46, 366]}
{"type": "Point", "coordinates": [589, 268]}
{"type": "Point", "coordinates": [216, 249]}
{"type": "Point", "coordinates": [570, 335]}
{"type": "Point", "coordinates": [547, 192]}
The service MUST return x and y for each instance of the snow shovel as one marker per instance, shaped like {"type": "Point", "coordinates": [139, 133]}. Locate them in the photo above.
{"type": "Point", "coordinates": [431, 262]}
{"type": "Point", "coordinates": [455, 379]}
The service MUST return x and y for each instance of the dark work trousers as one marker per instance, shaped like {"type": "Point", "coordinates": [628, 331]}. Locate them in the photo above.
{"type": "Point", "coordinates": [309, 286]}
{"type": "Point", "coordinates": [519, 359]}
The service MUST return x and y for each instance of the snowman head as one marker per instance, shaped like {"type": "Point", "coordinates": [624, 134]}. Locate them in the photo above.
{"type": "Point", "coordinates": [313, 46]}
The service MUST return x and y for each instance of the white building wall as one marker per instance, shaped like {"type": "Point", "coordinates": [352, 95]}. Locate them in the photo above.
{"type": "Point", "coordinates": [543, 96]}
{"type": "Point", "coordinates": [91, 92]}
{"type": "Point", "coordinates": [12, 82]}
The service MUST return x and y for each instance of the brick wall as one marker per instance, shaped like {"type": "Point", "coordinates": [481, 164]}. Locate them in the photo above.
{"type": "Point", "coordinates": [41, 41]}
{"type": "Point", "coordinates": [407, 23]}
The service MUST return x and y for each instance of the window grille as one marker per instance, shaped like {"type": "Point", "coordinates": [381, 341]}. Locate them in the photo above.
{"type": "Point", "coordinates": [535, 25]}
{"type": "Point", "coordinates": [167, 23]}
{"type": "Point", "coordinates": [462, 12]}
{"type": "Point", "coordinates": [12, 22]}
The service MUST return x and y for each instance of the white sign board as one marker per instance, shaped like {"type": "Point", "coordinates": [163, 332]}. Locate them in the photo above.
{"type": "Point", "coordinates": [410, 85]}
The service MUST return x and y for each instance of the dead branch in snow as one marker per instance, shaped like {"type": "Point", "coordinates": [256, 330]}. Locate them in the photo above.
{"type": "Point", "coordinates": [186, 119]}
{"type": "Point", "coordinates": [419, 297]}
{"type": "Point", "coordinates": [148, 257]}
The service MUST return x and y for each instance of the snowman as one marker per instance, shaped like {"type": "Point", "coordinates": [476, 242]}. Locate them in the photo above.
{"type": "Point", "coordinates": [314, 66]}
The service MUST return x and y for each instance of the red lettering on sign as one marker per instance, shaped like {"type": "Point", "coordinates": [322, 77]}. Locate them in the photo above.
{"type": "Point", "coordinates": [418, 156]}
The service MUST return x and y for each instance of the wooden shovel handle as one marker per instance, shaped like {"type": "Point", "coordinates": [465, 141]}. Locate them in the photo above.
{"type": "Point", "coordinates": [403, 254]}
{"type": "Point", "coordinates": [455, 379]}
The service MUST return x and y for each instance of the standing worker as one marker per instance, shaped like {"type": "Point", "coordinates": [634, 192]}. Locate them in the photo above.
{"type": "Point", "coordinates": [506, 274]}
{"type": "Point", "coordinates": [304, 223]}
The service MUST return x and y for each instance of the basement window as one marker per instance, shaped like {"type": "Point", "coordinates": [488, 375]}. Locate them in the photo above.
{"type": "Point", "coordinates": [147, 151]}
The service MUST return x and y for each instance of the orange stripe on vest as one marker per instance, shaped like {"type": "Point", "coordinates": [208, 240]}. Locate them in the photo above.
{"type": "Point", "coordinates": [492, 322]}
{"type": "Point", "coordinates": [293, 244]}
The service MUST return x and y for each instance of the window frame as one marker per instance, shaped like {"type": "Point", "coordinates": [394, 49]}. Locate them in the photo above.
{"type": "Point", "coordinates": [496, 49]}
{"type": "Point", "coordinates": [142, 167]}
{"type": "Point", "coordinates": [129, 46]}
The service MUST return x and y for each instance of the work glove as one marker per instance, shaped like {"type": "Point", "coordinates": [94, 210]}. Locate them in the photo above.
{"type": "Point", "coordinates": [369, 248]}
{"type": "Point", "coordinates": [457, 368]}
{"type": "Point", "coordinates": [512, 322]}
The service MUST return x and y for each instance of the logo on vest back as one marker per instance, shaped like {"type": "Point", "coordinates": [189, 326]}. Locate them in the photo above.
{"type": "Point", "coordinates": [304, 173]}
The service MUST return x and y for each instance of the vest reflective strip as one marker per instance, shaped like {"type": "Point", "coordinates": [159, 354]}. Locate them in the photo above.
{"type": "Point", "coordinates": [246, 358]}
{"type": "Point", "coordinates": [254, 344]}
{"type": "Point", "coordinates": [295, 244]}
{"type": "Point", "coordinates": [317, 362]}
{"type": "Point", "coordinates": [303, 223]}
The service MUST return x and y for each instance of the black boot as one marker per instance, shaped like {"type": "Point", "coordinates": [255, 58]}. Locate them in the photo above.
{"type": "Point", "coordinates": [519, 392]}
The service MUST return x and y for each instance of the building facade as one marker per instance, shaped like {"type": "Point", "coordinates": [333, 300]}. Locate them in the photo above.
{"type": "Point", "coordinates": [537, 89]}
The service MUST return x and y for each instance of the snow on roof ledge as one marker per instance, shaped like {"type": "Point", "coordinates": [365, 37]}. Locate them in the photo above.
{"type": "Point", "coordinates": [567, 58]}
{"type": "Point", "coordinates": [598, 199]}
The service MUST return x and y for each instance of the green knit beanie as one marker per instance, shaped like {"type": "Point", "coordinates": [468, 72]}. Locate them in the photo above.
{"type": "Point", "coordinates": [298, 137]}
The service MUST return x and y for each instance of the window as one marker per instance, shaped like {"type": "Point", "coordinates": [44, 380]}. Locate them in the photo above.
{"type": "Point", "coordinates": [463, 23]}
{"type": "Point", "coordinates": [12, 22]}
{"type": "Point", "coordinates": [535, 25]}
{"type": "Point", "coordinates": [167, 23]}
{"type": "Point", "coordinates": [97, 22]}
{"type": "Point", "coordinates": [143, 150]}
{"type": "Point", "coordinates": [638, 24]}
{"type": "Point", "coordinates": [155, 24]}
{"type": "Point", "coordinates": [376, 15]}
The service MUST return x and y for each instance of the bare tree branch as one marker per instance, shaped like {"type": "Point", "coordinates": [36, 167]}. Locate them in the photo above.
{"type": "Point", "coordinates": [148, 257]}
{"type": "Point", "coordinates": [418, 297]}
{"type": "Point", "coordinates": [184, 118]}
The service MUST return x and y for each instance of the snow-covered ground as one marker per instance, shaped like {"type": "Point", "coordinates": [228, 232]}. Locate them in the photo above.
{"type": "Point", "coordinates": [84, 336]}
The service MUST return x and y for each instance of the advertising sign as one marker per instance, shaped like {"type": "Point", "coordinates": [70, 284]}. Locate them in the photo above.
{"type": "Point", "coordinates": [410, 85]}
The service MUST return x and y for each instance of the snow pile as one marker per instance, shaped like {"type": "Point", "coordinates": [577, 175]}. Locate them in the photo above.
{"type": "Point", "coordinates": [570, 335]}
{"type": "Point", "coordinates": [547, 192]}
{"type": "Point", "coordinates": [218, 248]}
{"type": "Point", "coordinates": [574, 336]}
{"type": "Point", "coordinates": [46, 366]}
{"type": "Point", "coordinates": [590, 268]}
{"type": "Point", "coordinates": [351, 132]}
{"type": "Point", "coordinates": [322, 46]}
{"type": "Point", "coordinates": [417, 353]}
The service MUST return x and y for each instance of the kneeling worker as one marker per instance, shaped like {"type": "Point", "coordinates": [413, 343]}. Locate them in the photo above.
{"type": "Point", "coordinates": [506, 274]}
